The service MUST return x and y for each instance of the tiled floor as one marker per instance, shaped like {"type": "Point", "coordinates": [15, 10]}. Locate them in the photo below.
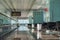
{"type": "Point", "coordinates": [23, 35]}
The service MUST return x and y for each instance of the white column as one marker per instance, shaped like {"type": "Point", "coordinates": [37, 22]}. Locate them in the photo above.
{"type": "Point", "coordinates": [38, 33]}
{"type": "Point", "coordinates": [32, 28]}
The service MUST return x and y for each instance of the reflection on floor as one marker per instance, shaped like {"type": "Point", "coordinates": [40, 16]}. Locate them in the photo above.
{"type": "Point", "coordinates": [23, 28]}
{"type": "Point", "coordinates": [23, 35]}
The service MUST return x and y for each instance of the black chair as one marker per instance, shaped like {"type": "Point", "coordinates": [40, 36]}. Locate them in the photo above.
{"type": "Point", "coordinates": [58, 25]}
{"type": "Point", "coordinates": [51, 25]}
{"type": "Point", "coordinates": [44, 25]}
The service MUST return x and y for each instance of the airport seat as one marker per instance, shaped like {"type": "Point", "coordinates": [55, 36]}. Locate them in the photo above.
{"type": "Point", "coordinates": [51, 25]}
{"type": "Point", "coordinates": [58, 25]}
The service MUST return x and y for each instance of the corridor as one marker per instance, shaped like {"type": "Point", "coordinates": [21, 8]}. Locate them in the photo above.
{"type": "Point", "coordinates": [29, 19]}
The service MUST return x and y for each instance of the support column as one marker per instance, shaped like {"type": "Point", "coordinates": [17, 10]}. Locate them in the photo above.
{"type": "Point", "coordinates": [38, 32]}
{"type": "Point", "coordinates": [32, 28]}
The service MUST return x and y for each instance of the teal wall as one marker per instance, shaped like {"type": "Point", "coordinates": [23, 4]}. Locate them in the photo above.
{"type": "Point", "coordinates": [5, 20]}
{"type": "Point", "coordinates": [30, 20]}
{"type": "Point", "coordinates": [37, 16]}
{"type": "Point", "coordinates": [54, 10]}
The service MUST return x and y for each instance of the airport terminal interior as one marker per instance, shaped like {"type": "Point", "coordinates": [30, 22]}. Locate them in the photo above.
{"type": "Point", "coordinates": [29, 19]}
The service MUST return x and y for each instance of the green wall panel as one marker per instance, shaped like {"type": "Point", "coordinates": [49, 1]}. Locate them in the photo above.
{"type": "Point", "coordinates": [54, 10]}
{"type": "Point", "coordinates": [37, 16]}
{"type": "Point", "coordinates": [30, 20]}
{"type": "Point", "coordinates": [6, 20]}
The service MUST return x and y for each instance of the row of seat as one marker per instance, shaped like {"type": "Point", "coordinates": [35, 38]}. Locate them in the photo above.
{"type": "Point", "coordinates": [51, 25]}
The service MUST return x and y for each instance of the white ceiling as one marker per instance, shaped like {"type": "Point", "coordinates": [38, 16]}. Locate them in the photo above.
{"type": "Point", "coordinates": [21, 5]}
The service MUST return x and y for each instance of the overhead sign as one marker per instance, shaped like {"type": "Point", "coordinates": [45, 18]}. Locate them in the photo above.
{"type": "Point", "coordinates": [14, 13]}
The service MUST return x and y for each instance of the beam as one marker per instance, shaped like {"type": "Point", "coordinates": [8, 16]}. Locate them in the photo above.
{"type": "Point", "coordinates": [12, 5]}
{"type": "Point", "coordinates": [7, 16]}
{"type": "Point", "coordinates": [31, 6]}
{"type": "Point", "coordinates": [7, 4]}
{"type": "Point", "coordinates": [5, 7]}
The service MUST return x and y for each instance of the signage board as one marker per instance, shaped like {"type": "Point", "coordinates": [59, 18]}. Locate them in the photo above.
{"type": "Point", "coordinates": [13, 13]}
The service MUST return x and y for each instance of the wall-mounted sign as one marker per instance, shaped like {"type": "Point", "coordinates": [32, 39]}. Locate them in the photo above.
{"type": "Point", "coordinates": [14, 13]}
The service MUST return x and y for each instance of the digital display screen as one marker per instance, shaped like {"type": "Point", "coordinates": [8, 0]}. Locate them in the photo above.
{"type": "Point", "coordinates": [15, 13]}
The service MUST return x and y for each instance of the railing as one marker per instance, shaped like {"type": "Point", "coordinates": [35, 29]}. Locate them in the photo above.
{"type": "Point", "coordinates": [5, 34]}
